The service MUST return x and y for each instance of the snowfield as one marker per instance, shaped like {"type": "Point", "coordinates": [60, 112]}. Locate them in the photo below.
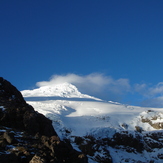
{"type": "Point", "coordinates": [77, 114]}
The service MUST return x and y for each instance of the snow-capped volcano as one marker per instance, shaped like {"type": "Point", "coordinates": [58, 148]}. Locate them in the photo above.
{"type": "Point", "coordinates": [77, 115]}
{"type": "Point", "coordinates": [59, 90]}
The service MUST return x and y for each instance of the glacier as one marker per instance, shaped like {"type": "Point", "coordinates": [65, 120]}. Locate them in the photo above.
{"type": "Point", "coordinates": [75, 115]}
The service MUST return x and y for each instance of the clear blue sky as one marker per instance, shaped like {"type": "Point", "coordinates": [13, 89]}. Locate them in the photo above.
{"type": "Point", "coordinates": [120, 38]}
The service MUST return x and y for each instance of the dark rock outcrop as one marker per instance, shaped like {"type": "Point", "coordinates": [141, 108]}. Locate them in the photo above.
{"type": "Point", "coordinates": [153, 116]}
{"type": "Point", "coordinates": [128, 140]}
{"type": "Point", "coordinates": [95, 148]}
{"type": "Point", "coordinates": [10, 93]}
{"type": "Point", "coordinates": [18, 114]}
{"type": "Point", "coordinates": [27, 136]}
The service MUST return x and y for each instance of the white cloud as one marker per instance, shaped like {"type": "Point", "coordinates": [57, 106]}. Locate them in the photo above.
{"type": "Point", "coordinates": [156, 90]}
{"type": "Point", "coordinates": [108, 88]}
{"type": "Point", "coordinates": [140, 87]}
{"type": "Point", "coordinates": [150, 91]}
{"type": "Point", "coordinates": [152, 95]}
{"type": "Point", "coordinates": [95, 84]}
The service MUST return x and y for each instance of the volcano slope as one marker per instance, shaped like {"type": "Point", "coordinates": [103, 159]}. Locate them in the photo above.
{"type": "Point", "coordinates": [104, 131]}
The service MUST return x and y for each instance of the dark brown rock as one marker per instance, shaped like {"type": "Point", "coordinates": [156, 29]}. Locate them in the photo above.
{"type": "Point", "coordinates": [9, 137]}
{"type": "Point", "coordinates": [38, 159]}
{"type": "Point", "coordinates": [10, 92]}
{"type": "Point", "coordinates": [127, 139]}
{"type": "Point", "coordinates": [138, 129]}
{"type": "Point", "coordinates": [19, 114]}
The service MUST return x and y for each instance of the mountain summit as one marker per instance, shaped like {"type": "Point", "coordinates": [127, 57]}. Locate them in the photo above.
{"type": "Point", "coordinates": [57, 90]}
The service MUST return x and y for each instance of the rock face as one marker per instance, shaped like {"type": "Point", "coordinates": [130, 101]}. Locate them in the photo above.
{"type": "Point", "coordinates": [27, 136]}
{"type": "Point", "coordinates": [20, 115]}
{"type": "Point", "coordinates": [130, 145]}
{"type": "Point", "coordinates": [153, 118]}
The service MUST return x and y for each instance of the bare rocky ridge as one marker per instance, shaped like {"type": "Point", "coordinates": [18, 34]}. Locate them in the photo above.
{"type": "Point", "coordinates": [27, 136]}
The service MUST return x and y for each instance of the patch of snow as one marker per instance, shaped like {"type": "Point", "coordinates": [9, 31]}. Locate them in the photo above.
{"type": "Point", "coordinates": [120, 155]}
{"type": "Point", "coordinates": [85, 117]}
{"type": "Point", "coordinates": [2, 108]}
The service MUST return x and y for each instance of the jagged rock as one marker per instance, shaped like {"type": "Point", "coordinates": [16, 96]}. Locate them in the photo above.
{"type": "Point", "coordinates": [160, 156]}
{"type": "Point", "coordinates": [138, 129]}
{"type": "Point", "coordinates": [19, 114]}
{"type": "Point", "coordinates": [87, 145]}
{"type": "Point", "coordinates": [38, 159]}
{"type": "Point", "coordinates": [10, 93]}
{"type": "Point", "coordinates": [62, 150]}
{"type": "Point", "coordinates": [158, 125]}
{"type": "Point", "coordinates": [127, 139]}
{"type": "Point", "coordinates": [152, 143]}
{"type": "Point", "coordinates": [94, 147]}
{"type": "Point", "coordinates": [152, 117]}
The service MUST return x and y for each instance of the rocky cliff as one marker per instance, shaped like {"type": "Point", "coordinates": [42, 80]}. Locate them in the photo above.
{"type": "Point", "coordinates": [27, 136]}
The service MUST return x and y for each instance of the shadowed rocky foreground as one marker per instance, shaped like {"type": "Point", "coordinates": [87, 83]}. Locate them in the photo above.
{"type": "Point", "coordinates": [27, 136]}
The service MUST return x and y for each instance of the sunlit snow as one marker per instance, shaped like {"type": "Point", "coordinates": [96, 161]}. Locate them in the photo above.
{"type": "Point", "coordinates": [81, 114]}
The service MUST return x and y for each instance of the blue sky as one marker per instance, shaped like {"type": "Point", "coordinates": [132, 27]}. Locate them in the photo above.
{"type": "Point", "coordinates": [112, 38]}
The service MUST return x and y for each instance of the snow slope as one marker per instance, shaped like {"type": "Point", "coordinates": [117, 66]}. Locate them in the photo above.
{"type": "Point", "coordinates": [82, 113]}
{"type": "Point", "coordinates": [60, 90]}
{"type": "Point", "coordinates": [77, 114]}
